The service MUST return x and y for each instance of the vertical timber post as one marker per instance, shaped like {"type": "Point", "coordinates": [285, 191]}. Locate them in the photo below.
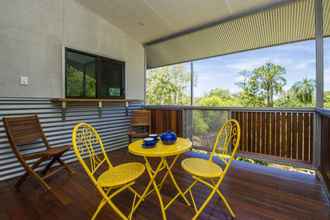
{"type": "Point", "coordinates": [319, 80]}
{"type": "Point", "coordinates": [192, 83]}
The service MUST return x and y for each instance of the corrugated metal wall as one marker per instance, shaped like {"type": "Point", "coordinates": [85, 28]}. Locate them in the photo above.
{"type": "Point", "coordinates": [112, 122]}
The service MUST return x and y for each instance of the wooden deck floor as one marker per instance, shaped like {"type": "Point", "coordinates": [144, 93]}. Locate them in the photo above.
{"type": "Point", "coordinates": [254, 192]}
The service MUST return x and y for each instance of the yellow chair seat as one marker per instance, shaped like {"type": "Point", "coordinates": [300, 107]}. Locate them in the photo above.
{"type": "Point", "coordinates": [201, 167]}
{"type": "Point", "coordinates": [121, 174]}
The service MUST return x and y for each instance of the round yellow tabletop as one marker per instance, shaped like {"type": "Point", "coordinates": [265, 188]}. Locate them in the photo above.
{"type": "Point", "coordinates": [160, 150]}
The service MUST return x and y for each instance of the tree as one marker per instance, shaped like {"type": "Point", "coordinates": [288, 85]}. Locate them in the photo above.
{"type": "Point", "coordinates": [168, 85]}
{"type": "Point", "coordinates": [300, 94]}
{"type": "Point", "coordinates": [271, 81]}
{"type": "Point", "coordinates": [249, 96]}
{"type": "Point", "coordinates": [304, 90]}
{"type": "Point", "coordinates": [327, 99]}
{"type": "Point", "coordinates": [75, 81]}
{"type": "Point", "coordinates": [221, 93]}
{"type": "Point", "coordinates": [218, 97]}
{"type": "Point", "coordinates": [260, 86]}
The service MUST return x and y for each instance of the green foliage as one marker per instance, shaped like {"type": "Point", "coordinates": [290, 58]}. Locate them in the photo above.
{"type": "Point", "coordinates": [221, 93]}
{"type": "Point", "coordinates": [327, 99]}
{"type": "Point", "coordinates": [218, 97]}
{"type": "Point", "coordinates": [76, 85]}
{"type": "Point", "coordinates": [301, 94]}
{"type": "Point", "coordinates": [254, 161]}
{"type": "Point", "coordinates": [260, 86]}
{"type": "Point", "coordinates": [168, 85]}
{"type": "Point", "coordinates": [303, 90]}
{"type": "Point", "coordinates": [200, 127]}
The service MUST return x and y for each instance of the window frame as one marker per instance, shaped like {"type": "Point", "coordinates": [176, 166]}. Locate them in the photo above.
{"type": "Point", "coordinates": [97, 75]}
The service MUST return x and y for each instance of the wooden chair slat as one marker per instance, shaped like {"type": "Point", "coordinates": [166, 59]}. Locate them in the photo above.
{"type": "Point", "coordinates": [25, 131]}
{"type": "Point", "coordinates": [140, 119]}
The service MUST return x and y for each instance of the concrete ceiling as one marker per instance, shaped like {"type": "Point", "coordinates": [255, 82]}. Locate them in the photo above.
{"type": "Point", "coordinates": [147, 20]}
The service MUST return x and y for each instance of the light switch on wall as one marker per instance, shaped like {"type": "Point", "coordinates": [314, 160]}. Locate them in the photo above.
{"type": "Point", "coordinates": [24, 80]}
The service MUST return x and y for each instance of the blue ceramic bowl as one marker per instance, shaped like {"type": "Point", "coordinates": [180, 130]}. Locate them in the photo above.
{"type": "Point", "coordinates": [168, 138]}
{"type": "Point", "coordinates": [149, 142]}
{"type": "Point", "coordinates": [154, 136]}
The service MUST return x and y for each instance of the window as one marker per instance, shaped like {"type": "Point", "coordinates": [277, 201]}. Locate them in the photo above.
{"type": "Point", "coordinates": [279, 76]}
{"type": "Point", "coordinates": [169, 85]}
{"type": "Point", "coordinates": [92, 76]}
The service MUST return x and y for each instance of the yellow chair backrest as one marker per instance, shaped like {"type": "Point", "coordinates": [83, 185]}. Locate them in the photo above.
{"type": "Point", "coordinates": [85, 141]}
{"type": "Point", "coordinates": [227, 140]}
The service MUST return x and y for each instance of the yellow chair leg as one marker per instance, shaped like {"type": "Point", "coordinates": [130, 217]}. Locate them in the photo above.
{"type": "Point", "coordinates": [132, 209]}
{"type": "Point", "coordinates": [201, 209]}
{"type": "Point", "coordinates": [193, 200]}
{"type": "Point", "coordinates": [214, 189]}
{"type": "Point", "coordinates": [101, 205]}
{"type": "Point", "coordinates": [114, 207]}
{"type": "Point", "coordinates": [226, 203]}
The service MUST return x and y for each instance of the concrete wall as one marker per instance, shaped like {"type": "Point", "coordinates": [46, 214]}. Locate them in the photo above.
{"type": "Point", "coordinates": [32, 36]}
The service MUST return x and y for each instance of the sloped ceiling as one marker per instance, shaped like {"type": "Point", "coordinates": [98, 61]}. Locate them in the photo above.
{"type": "Point", "coordinates": [147, 20]}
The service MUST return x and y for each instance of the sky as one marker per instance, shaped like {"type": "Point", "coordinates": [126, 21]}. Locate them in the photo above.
{"type": "Point", "coordinates": [223, 72]}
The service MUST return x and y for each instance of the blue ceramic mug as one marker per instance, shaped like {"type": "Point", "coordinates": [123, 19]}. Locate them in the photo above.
{"type": "Point", "coordinates": [149, 142]}
{"type": "Point", "coordinates": [154, 136]}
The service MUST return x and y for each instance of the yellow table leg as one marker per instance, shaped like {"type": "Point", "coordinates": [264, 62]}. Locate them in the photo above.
{"type": "Point", "coordinates": [152, 174]}
{"type": "Point", "coordinates": [149, 169]}
{"type": "Point", "coordinates": [175, 183]}
{"type": "Point", "coordinates": [166, 174]}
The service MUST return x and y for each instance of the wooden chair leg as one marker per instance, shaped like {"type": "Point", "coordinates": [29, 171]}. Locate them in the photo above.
{"type": "Point", "coordinates": [21, 180]}
{"type": "Point", "coordinates": [49, 165]}
{"type": "Point", "coordinates": [30, 171]}
{"type": "Point", "coordinates": [65, 165]}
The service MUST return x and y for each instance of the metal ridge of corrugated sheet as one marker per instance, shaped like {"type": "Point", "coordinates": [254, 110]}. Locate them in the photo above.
{"type": "Point", "coordinates": [112, 124]}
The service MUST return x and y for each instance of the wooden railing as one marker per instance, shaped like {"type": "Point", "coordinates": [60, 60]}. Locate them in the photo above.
{"type": "Point", "coordinates": [165, 120]}
{"type": "Point", "coordinates": [285, 134]}
{"type": "Point", "coordinates": [325, 148]}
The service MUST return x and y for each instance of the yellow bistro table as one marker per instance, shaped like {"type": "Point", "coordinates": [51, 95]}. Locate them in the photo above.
{"type": "Point", "coordinates": [163, 152]}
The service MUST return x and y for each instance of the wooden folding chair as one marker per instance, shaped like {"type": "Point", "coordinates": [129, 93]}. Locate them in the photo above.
{"type": "Point", "coordinates": [109, 180]}
{"type": "Point", "coordinates": [210, 174]}
{"type": "Point", "coordinates": [24, 132]}
{"type": "Point", "coordinates": [140, 124]}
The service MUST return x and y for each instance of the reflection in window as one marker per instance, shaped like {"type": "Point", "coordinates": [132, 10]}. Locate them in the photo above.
{"type": "Point", "coordinates": [92, 76]}
{"type": "Point", "coordinates": [81, 75]}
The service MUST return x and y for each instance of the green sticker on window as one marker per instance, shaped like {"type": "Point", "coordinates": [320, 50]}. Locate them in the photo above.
{"type": "Point", "coordinates": [114, 91]}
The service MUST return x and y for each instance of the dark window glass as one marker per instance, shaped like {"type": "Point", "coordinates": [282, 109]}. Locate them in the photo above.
{"type": "Point", "coordinates": [80, 75]}
{"type": "Point", "coordinates": [91, 76]}
{"type": "Point", "coordinates": [111, 78]}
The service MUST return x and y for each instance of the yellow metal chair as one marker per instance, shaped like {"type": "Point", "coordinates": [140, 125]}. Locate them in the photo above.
{"type": "Point", "coordinates": [209, 173]}
{"type": "Point", "coordinates": [115, 179]}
